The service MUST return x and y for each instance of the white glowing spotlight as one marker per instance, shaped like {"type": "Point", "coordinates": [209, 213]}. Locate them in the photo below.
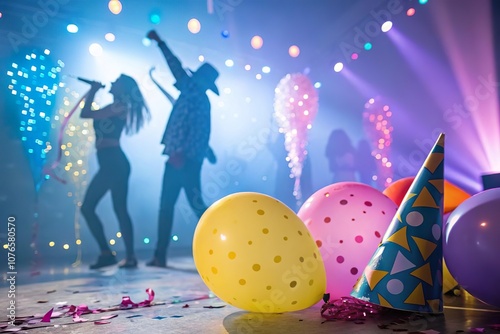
{"type": "Point", "coordinates": [72, 28]}
{"type": "Point", "coordinates": [386, 26]}
{"type": "Point", "coordinates": [95, 49]}
{"type": "Point", "coordinates": [338, 67]}
{"type": "Point", "coordinates": [110, 37]}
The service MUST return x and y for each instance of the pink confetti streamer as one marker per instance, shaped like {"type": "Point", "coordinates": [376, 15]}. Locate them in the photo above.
{"type": "Point", "coordinates": [47, 316]}
{"type": "Point", "coordinates": [348, 308]}
{"type": "Point", "coordinates": [128, 303]}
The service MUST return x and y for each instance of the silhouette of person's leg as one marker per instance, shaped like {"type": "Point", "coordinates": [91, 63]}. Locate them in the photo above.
{"type": "Point", "coordinates": [97, 189]}
{"type": "Point", "coordinates": [172, 184]}
{"type": "Point", "coordinates": [119, 192]}
{"type": "Point", "coordinates": [192, 187]}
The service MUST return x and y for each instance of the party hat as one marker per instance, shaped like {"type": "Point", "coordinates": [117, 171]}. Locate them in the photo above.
{"type": "Point", "coordinates": [406, 270]}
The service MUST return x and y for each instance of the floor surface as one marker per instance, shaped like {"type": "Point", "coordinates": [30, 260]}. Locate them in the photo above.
{"type": "Point", "coordinates": [183, 304]}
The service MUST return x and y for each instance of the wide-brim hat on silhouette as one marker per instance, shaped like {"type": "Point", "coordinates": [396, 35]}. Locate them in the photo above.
{"type": "Point", "coordinates": [205, 76]}
{"type": "Point", "coordinates": [406, 270]}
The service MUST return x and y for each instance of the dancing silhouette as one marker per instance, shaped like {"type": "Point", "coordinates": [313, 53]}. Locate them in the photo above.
{"type": "Point", "coordinates": [185, 140]}
{"type": "Point", "coordinates": [127, 112]}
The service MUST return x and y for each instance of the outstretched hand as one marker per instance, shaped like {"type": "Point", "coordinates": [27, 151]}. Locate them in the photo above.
{"type": "Point", "coordinates": [153, 35]}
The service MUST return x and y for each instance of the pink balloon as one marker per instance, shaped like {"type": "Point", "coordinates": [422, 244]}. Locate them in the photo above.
{"type": "Point", "coordinates": [348, 221]}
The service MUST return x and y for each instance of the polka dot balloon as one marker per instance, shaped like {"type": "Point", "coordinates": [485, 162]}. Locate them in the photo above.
{"type": "Point", "coordinates": [347, 220]}
{"type": "Point", "coordinates": [254, 253]}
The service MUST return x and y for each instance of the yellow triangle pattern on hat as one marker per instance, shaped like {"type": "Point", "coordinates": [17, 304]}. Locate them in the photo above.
{"type": "Point", "coordinates": [434, 161]}
{"type": "Point", "coordinates": [399, 237]}
{"type": "Point", "coordinates": [425, 247]}
{"type": "Point", "coordinates": [407, 197]}
{"type": "Point", "coordinates": [425, 199]}
{"type": "Point", "coordinates": [417, 296]}
{"type": "Point", "coordinates": [438, 184]}
{"type": "Point", "coordinates": [424, 273]}
{"type": "Point", "coordinates": [374, 276]}
{"type": "Point", "coordinates": [383, 302]}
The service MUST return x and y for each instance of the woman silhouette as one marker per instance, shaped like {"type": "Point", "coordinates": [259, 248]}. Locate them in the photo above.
{"type": "Point", "coordinates": [127, 112]}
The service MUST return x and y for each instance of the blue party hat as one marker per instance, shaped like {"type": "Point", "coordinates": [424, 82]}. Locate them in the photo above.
{"type": "Point", "coordinates": [406, 270]}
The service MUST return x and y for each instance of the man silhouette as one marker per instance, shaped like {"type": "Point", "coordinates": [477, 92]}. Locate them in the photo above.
{"type": "Point", "coordinates": [186, 140]}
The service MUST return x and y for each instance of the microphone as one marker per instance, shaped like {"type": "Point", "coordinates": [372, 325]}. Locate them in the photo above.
{"type": "Point", "coordinates": [90, 82]}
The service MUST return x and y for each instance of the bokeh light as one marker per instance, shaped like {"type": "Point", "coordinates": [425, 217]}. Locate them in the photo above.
{"type": "Point", "coordinates": [224, 33]}
{"type": "Point", "coordinates": [338, 67]}
{"type": "Point", "coordinates": [146, 240]}
{"type": "Point", "coordinates": [294, 51]}
{"type": "Point", "coordinates": [317, 84]}
{"type": "Point", "coordinates": [110, 37]}
{"type": "Point", "coordinates": [72, 28]}
{"type": "Point", "coordinates": [410, 11]}
{"type": "Point", "coordinates": [386, 26]}
{"type": "Point", "coordinates": [66, 246]}
{"type": "Point", "coordinates": [201, 58]}
{"type": "Point", "coordinates": [266, 69]}
{"type": "Point", "coordinates": [95, 49]}
{"type": "Point", "coordinates": [194, 26]}
{"type": "Point", "coordinates": [155, 17]}
{"type": "Point", "coordinates": [1, 15]}
{"type": "Point", "coordinates": [52, 244]}
{"type": "Point", "coordinates": [248, 67]}
{"type": "Point", "coordinates": [354, 56]}
{"type": "Point", "coordinates": [368, 46]}
{"type": "Point", "coordinates": [229, 63]}
{"type": "Point", "coordinates": [146, 41]}
{"type": "Point", "coordinates": [422, 2]}
{"type": "Point", "coordinates": [115, 6]}
{"type": "Point", "coordinates": [256, 42]}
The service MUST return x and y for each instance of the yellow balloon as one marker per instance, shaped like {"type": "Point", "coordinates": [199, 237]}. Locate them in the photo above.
{"type": "Point", "coordinates": [254, 253]}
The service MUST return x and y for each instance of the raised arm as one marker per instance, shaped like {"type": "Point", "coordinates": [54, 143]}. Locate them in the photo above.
{"type": "Point", "coordinates": [172, 61]}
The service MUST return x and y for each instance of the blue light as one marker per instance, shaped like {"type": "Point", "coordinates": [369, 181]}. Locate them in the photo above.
{"type": "Point", "coordinates": [224, 33]}
{"type": "Point", "coordinates": [146, 240]}
{"type": "Point", "coordinates": [175, 238]}
{"type": "Point", "coordinates": [317, 84]}
{"type": "Point", "coordinates": [155, 18]}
